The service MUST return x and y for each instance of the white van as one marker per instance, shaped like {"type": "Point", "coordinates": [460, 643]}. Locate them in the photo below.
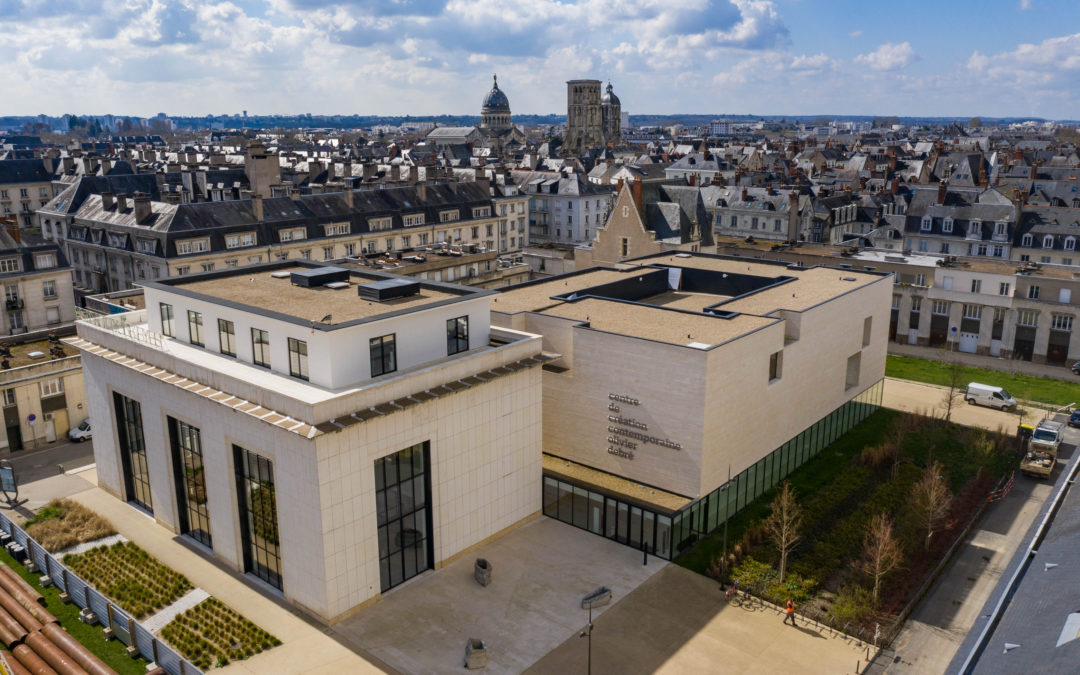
{"type": "Point", "coordinates": [993, 397]}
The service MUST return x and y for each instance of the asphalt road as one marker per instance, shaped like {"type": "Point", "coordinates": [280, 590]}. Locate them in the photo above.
{"type": "Point", "coordinates": [33, 465]}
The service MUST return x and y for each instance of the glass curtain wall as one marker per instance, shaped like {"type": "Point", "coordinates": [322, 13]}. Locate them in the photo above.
{"type": "Point", "coordinates": [190, 481]}
{"type": "Point", "coordinates": [667, 536]}
{"type": "Point", "coordinates": [129, 431]}
{"type": "Point", "coordinates": [607, 516]}
{"type": "Point", "coordinates": [710, 512]}
{"type": "Point", "coordinates": [257, 500]}
{"type": "Point", "coordinates": [403, 498]}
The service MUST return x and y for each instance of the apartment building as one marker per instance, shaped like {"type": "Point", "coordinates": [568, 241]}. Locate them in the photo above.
{"type": "Point", "coordinates": [1022, 311]}
{"type": "Point", "coordinates": [329, 432]}
{"type": "Point", "coordinates": [38, 294]}
{"type": "Point", "coordinates": [678, 371]}
{"type": "Point", "coordinates": [116, 242]}
{"type": "Point", "coordinates": [25, 186]}
{"type": "Point", "coordinates": [563, 208]}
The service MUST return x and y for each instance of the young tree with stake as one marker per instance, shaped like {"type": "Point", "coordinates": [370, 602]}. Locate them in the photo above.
{"type": "Point", "coordinates": [783, 524]}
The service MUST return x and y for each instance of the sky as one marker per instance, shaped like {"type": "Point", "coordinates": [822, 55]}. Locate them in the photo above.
{"type": "Point", "coordinates": [992, 58]}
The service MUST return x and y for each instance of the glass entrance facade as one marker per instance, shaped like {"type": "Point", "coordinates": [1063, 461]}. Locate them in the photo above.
{"type": "Point", "coordinates": [129, 432]}
{"type": "Point", "coordinates": [190, 481]}
{"type": "Point", "coordinates": [403, 507]}
{"type": "Point", "coordinates": [630, 524]}
{"type": "Point", "coordinates": [257, 499]}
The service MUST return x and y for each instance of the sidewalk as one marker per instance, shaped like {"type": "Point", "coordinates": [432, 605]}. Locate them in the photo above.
{"type": "Point", "coordinates": [305, 647]}
{"type": "Point", "coordinates": [991, 362]}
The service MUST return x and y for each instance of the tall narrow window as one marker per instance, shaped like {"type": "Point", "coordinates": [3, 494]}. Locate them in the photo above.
{"type": "Point", "coordinates": [457, 335]}
{"type": "Point", "coordinates": [257, 499]}
{"type": "Point", "coordinates": [194, 322]}
{"type": "Point", "coordinates": [402, 496]}
{"type": "Point", "coordinates": [227, 337]}
{"type": "Point", "coordinates": [167, 320]}
{"type": "Point", "coordinates": [298, 358]}
{"type": "Point", "coordinates": [383, 355]}
{"type": "Point", "coordinates": [129, 431]}
{"type": "Point", "coordinates": [260, 347]}
{"type": "Point", "coordinates": [190, 481]}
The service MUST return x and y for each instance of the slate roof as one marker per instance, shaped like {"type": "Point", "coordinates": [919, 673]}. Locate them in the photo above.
{"type": "Point", "coordinates": [25, 171]}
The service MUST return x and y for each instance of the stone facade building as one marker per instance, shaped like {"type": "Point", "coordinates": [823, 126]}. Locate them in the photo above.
{"type": "Point", "coordinates": [592, 119]}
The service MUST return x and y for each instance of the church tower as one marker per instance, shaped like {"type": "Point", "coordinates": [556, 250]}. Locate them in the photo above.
{"type": "Point", "coordinates": [495, 110]}
{"type": "Point", "coordinates": [611, 112]}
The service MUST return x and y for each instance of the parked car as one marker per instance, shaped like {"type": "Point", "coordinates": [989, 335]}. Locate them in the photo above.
{"type": "Point", "coordinates": [82, 432]}
{"type": "Point", "coordinates": [994, 397]}
{"type": "Point", "coordinates": [1075, 368]}
{"type": "Point", "coordinates": [1074, 418]}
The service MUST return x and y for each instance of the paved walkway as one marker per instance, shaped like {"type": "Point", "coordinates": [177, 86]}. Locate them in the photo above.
{"type": "Point", "coordinates": [679, 622]}
{"type": "Point", "coordinates": [991, 362]}
{"type": "Point", "coordinates": [540, 572]}
{"type": "Point", "coordinates": [305, 647]}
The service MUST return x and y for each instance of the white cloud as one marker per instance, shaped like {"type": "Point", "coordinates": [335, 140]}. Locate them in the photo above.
{"type": "Point", "coordinates": [817, 62]}
{"type": "Point", "coordinates": [889, 56]}
{"type": "Point", "coordinates": [854, 34]}
{"type": "Point", "coordinates": [1025, 5]}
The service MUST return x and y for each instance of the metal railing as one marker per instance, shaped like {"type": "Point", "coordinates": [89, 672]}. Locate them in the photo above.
{"type": "Point", "coordinates": [129, 324]}
{"type": "Point", "coordinates": [123, 625]}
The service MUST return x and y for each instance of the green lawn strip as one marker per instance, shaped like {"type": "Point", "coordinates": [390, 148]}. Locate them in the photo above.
{"type": "Point", "coordinates": [838, 495]}
{"type": "Point", "coordinates": [1025, 387]}
{"type": "Point", "coordinates": [212, 634]}
{"type": "Point", "coordinates": [133, 578]}
{"type": "Point", "coordinates": [808, 482]}
{"type": "Point", "coordinates": [112, 652]}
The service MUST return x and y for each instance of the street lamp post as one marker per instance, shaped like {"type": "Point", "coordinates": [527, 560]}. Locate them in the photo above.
{"type": "Point", "coordinates": [587, 633]}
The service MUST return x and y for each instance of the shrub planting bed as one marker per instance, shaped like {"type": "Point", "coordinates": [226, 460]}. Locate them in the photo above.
{"type": "Point", "coordinates": [63, 523]}
{"type": "Point", "coordinates": [130, 576]}
{"type": "Point", "coordinates": [878, 468]}
{"type": "Point", "coordinates": [211, 634]}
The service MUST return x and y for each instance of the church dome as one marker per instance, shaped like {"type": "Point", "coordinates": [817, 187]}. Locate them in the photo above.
{"type": "Point", "coordinates": [609, 98]}
{"type": "Point", "coordinates": [495, 100]}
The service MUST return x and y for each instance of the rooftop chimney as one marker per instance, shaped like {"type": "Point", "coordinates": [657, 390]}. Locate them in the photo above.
{"type": "Point", "coordinates": [635, 190]}
{"type": "Point", "coordinates": [106, 200]}
{"type": "Point", "coordinates": [942, 188]}
{"type": "Point", "coordinates": [744, 198]}
{"type": "Point", "coordinates": [121, 202]}
{"type": "Point", "coordinates": [257, 207]}
{"type": "Point", "coordinates": [348, 196]}
{"type": "Point", "coordinates": [142, 208]}
{"type": "Point", "coordinates": [421, 192]}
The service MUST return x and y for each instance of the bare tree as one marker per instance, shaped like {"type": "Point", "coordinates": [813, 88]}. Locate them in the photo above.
{"type": "Point", "coordinates": [881, 551]}
{"type": "Point", "coordinates": [955, 374]}
{"type": "Point", "coordinates": [783, 524]}
{"type": "Point", "coordinates": [931, 498]}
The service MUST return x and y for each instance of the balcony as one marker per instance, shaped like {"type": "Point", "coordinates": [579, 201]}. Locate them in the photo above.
{"type": "Point", "coordinates": [1004, 237]}
{"type": "Point", "coordinates": [14, 303]}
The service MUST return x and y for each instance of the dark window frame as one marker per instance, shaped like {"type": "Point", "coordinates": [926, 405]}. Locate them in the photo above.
{"type": "Point", "coordinates": [260, 347]}
{"type": "Point", "coordinates": [226, 337]}
{"type": "Point", "coordinates": [168, 319]}
{"type": "Point", "coordinates": [189, 471]}
{"type": "Point", "coordinates": [457, 335]}
{"type": "Point", "coordinates": [259, 523]}
{"type": "Point", "coordinates": [195, 328]}
{"type": "Point", "coordinates": [383, 352]}
{"type": "Point", "coordinates": [298, 359]}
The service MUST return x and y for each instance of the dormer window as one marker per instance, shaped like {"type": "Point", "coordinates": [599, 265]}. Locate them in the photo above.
{"type": "Point", "coordinates": [1001, 229]}
{"type": "Point", "coordinates": [1048, 241]}
{"type": "Point", "coordinates": [1026, 241]}
{"type": "Point", "coordinates": [946, 225]}
{"type": "Point", "coordinates": [975, 229]}
{"type": "Point", "coordinates": [926, 221]}
{"type": "Point", "coordinates": [1070, 243]}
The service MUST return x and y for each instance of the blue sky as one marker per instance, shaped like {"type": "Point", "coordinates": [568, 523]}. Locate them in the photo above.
{"type": "Point", "coordinates": [193, 57]}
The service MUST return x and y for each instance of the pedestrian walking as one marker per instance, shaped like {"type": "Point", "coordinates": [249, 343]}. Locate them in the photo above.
{"type": "Point", "coordinates": [789, 612]}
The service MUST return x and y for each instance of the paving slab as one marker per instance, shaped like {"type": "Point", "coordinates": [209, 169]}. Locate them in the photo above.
{"type": "Point", "coordinates": [540, 572]}
{"type": "Point", "coordinates": [679, 622]}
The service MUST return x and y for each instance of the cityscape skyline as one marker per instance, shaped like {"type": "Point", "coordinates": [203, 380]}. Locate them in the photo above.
{"type": "Point", "coordinates": [195, 57]}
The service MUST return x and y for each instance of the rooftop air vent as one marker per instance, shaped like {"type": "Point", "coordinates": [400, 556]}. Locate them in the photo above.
{"type": "Point", "coordinates": [337, 285]}
{"type": "Point", "coordinates": [281, 275]}
{"type": "Point", "coordinates": [388, 289]}
{"type": "Point", "coordinates": [319, 276]}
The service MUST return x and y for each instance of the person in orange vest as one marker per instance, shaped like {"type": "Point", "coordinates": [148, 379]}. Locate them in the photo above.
{"type": "Point", "coordinates": [789, 612]}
